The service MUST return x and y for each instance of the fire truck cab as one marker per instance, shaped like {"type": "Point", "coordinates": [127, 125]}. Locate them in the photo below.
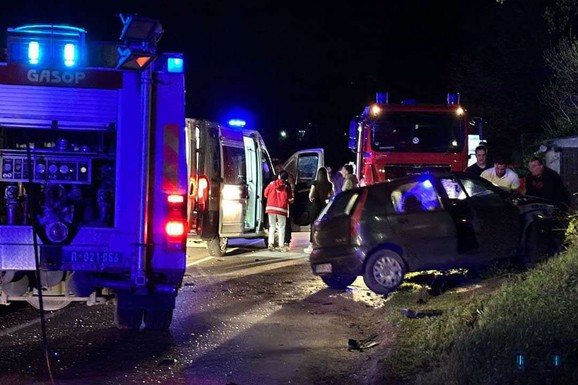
{"type": "Point", "coordinates": [393, 140]}
{"type": "Point", "coordinates": [228, 170]}
{"type": "Point", "coordinates": [93, 176]}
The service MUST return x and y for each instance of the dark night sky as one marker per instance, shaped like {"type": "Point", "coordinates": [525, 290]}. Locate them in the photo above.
{"type": "Point", "coordinates": [287, 64]}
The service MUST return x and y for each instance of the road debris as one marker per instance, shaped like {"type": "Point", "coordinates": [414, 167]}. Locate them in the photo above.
{"type": "Point", "coordinates": [362, 344]}
{"type": "Point", "coordinates": [420, 313]}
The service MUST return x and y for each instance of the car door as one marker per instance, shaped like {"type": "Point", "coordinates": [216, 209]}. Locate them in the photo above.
{"type": "Point", "coordinates": [493, 221]}
{"type": "Point", "coordinates": [303, 165]}
{"type": "Point", "coordinates": [422, 225]}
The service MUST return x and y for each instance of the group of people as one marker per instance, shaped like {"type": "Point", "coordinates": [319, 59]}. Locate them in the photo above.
{"type": "Point", "coordinates": [541, 181]}
{"type": "Point", "coordinates": [280, 195]}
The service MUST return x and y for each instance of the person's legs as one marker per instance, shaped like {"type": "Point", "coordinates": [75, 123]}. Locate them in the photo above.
{"type": "Point", "coordinates": [288, 230]}
{"type": "Point", "coordinates": [282, 222]}
{"type": "Point", "coordinates": [272, 221]}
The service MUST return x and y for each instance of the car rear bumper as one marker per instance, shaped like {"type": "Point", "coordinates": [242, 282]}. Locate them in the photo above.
{"type": "Point", "coordinates": [337, 260]}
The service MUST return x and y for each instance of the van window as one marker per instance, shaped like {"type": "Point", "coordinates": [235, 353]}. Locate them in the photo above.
{"type": "Point", "coordinates": [266, 166]}
{"type": "Point", "coordinates": [235, 171]}
{"type": "Point", "coordinates": [307, 168]}
{"type": "Point", "coordinates": [290, 167]}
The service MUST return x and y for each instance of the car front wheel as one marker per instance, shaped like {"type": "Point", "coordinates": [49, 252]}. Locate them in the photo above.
{"type": "Point", "coordinates": [384, 271]}
{"type": "Point", "coordinates": [339, 282]}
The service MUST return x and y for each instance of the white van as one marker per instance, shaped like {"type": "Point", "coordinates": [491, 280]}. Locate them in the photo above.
{"type": "Point", "coordinates": [228, 170]}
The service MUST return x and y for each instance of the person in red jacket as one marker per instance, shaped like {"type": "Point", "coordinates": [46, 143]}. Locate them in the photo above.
{"type": "Point", "coordinates": [278, 194]}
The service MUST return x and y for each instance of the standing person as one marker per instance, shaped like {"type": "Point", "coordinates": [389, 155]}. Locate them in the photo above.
{"type": "Point", "coordinates": [545, 183]}
{"type": "Point", "coordinates": [319, 194]}
{"type": "Point", "coordinates": [502, 176]}
{"type": "Point", "coordinates": [336, 178]}
{"type": "Point", "coordinates": [278, 194]}
{"type": "Point", "coordinates": [349, 179]}
{"type": "Point", "coordinates": [481, 161]}
{"type": "Point", "coordinates": [278, 166]}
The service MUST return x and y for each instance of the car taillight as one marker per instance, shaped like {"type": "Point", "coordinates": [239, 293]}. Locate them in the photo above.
{"type": "Point", "coordinates": [175, 224]}
{"type": "Point", "coordinates": [202, 191]}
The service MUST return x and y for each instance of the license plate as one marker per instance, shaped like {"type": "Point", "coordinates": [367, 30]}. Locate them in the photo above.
{"type": "Point", "coordinates": [323, 268]}
{"type": "Point", "coordinates": [94, 257]}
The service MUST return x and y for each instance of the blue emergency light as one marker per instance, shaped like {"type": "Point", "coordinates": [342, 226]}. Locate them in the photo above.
{"type": "Point", "coordinates": [69, 54]}
{"type": "Point", "coordinates": [46, 44]}
{"type": "Point", "coordinates": [175, 65]}
{"type": "Point", "coordinates": [453, 98]}
{"type": "Point", "coordinates": [237, 123]}
{"type": "Point", "coordinates": [33, 52]}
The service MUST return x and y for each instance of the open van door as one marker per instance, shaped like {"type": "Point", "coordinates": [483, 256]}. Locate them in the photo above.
{"type": "Point", "coordinates": [303, 165]}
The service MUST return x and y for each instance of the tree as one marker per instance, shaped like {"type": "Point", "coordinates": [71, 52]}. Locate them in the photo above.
{"type": "Point", "coordinates": [560, 93]}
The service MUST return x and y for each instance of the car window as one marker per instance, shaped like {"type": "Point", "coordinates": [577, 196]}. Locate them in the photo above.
{"type": "Point", "coordinates": [475, 188]}
{"type": "Point", "coordinates": [378, 201]}
{"type": "Point", "coordinates": [417, 196]}
{"type": "Point", "coordinates": [453, 189]}
{"type": "Point", "coordinates": [341, 204]}
{"type": "Point", "coordinates": [307, 167]}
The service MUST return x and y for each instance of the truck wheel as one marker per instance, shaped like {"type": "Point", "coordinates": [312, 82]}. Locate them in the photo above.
{"type": "Point", "coordinates": [128, 319]}
{"type": "Point", "coordinates": [217, 246]}
{"type": "Point", "coordinates": [384, 271]}
{"type": "Point", "coordinates": [339, 282]}
{"type": "Point", "coordinates": [158, 320]}
{"type": "Point", "coordinates": [127, 315]}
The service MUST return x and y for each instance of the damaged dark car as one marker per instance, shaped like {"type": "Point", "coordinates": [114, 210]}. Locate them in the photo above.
{"type": "Point", "coordinates": [427, 222]}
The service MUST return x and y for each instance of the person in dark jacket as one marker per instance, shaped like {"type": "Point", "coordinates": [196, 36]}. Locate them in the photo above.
{"type": "Point", "coordinates": [545, 183]}
{"type": "Point", "coordinates": [481, 161]}
{"type": "Point", "coordinates": [278, 193]}
{"type": "Point", "coordinates": [319, 194]}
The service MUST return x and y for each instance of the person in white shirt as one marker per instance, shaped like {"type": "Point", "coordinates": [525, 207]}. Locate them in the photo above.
{"type": "Point", "coordinates": [502, 176]}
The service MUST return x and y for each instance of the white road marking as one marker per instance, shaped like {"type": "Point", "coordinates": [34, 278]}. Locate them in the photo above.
{"type": "Point", "coordinates": [24, 325]}
{"type": "Point", "coordinates": [199, 261]}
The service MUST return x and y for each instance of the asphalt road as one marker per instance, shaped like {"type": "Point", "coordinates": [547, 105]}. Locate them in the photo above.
{"type": "Point", "coordinates": [250, 317]}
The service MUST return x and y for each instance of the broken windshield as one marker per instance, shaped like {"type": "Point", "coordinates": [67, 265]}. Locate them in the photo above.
{"type": "Point", "coordinates": [418, 132]}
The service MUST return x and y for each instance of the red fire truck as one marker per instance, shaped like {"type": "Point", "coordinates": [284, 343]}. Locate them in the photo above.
{"type": "Point", "coordinates": [392, 140]}
{"type": "Point", "coordinates": [93, 181]}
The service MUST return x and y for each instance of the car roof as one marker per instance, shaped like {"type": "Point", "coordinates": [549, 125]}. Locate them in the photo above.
{"type": "Point", "coordinates": [434, 174]}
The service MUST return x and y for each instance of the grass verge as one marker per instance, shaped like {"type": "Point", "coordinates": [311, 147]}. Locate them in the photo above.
{"type": "Point", "coordinates": [508, 329]}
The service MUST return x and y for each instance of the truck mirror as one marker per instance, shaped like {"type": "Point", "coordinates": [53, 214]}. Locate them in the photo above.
{"type": "Point", "coordinates": [353, 134]}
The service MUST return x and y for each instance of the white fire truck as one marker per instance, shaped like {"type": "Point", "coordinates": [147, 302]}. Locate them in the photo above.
{"type": "Point", "coordinates": [93, 180]}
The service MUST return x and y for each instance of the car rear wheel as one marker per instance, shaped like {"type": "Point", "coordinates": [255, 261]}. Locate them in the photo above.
{"type": "Point", "coordinates": [217, 246]}
{"type": "Point", "coordinates": [339, 282]}
{"type": "Point", "coordinates": [384, 271]}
